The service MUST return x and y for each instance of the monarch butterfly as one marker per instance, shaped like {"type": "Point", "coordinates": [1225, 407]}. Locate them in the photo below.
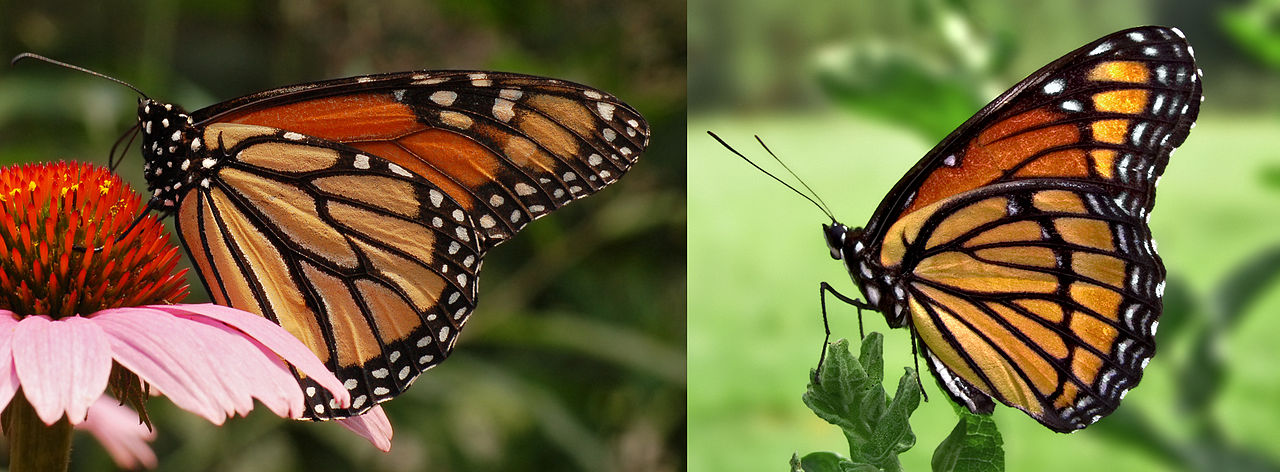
{"type": "Point", "coordinates": [1017, 251]}
{"type": "Point", "coordinates": [356, 212]}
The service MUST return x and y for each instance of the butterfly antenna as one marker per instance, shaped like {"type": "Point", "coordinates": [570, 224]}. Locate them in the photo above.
{"type": "Point", "coordinates": [774, 177]}
{"type": "Point", "coordinates": [25, 55]}
{"type": "Point", "coordinates": [826, 209]}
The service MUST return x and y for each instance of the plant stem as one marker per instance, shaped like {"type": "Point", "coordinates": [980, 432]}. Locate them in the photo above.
{"type": "Point", "coordinates": [33, 445]}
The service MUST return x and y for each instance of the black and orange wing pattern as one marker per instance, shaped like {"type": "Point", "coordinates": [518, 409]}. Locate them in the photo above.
{"type": "Point", "coordinates": [356, 212]}
{"type": "Point", "coordinates": [1017, 250]}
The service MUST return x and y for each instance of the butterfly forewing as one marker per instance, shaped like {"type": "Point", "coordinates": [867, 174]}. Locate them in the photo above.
{"type": "Point", "coordinates": [508, 148]}
{"type": "Point", "coordinates": [1106, 111]}
{"type": "Point", "coordinates": [1018, 249]}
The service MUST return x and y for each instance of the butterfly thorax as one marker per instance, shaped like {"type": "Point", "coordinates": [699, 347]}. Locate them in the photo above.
{"type": "Point", "coordinates": [851, 245]}
{"type": "Point", "coordinates": [170, 143]}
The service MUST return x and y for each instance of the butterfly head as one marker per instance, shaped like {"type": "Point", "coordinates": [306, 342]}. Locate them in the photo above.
{"type": "Point", "coordinates": [170, 144]}
{"type": "Point", "coordinates": [841, 238]}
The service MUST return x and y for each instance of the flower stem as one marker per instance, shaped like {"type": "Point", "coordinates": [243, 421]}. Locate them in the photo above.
{"type": "Point", "coordinates": [33, 445]}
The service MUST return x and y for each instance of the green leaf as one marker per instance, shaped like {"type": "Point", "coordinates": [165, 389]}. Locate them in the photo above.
{"type": "Point", "coordinates": [1252, 27]}
{"type": "Point", "coordinates": [850, 394]}
{"type": "Point", "coordinates": [974, 445]}
{"type": "Point", "coordinates": [887, 83]}
{"type": "Point", "coordinates": [817, 462]}
{"type": "Point", "coordinates": [1246, 283]}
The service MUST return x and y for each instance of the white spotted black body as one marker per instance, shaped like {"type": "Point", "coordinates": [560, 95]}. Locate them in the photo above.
{"type": "Point", "coordinates": [171, 148]}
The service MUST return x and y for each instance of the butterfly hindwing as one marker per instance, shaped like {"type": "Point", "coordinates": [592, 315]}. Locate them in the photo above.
{"type": "Point", "coordinates": [1041, 293]}
{"type": "Point", "coordinates": [373, 267]}
{"type": "Point", "coordinates": [1017, 250]}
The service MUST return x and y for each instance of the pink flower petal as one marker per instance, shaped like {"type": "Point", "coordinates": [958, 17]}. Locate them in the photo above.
{"type": "Point", "coordinates": [373, 425]}
{"type": "Point", "coordinates": [270, 335]}
{"type": "Point", "coordinates": [63, 365]}
{"type": "Point", "coordinates": [121, 433]}
{"type": "Point", "coordinates": [209, 367]}
{"type": "Point", "coordinates": [151, 345]}
{"type": "Point", "coordinates": [261, 374]}
{"type": "Point", "coordinates": [8, 375]}
{"type": "Point", "coordinates": [213, 371]}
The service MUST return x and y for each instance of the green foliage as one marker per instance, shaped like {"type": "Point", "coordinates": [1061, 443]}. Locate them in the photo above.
{"type": "Point", "coordinates": [974, 445]}
{"type": "Point", "coordinates": [887, 78]}
{"type": "Point", "coordinates": [1270, 176]}
{"type": "Point", "coordinates": [1252, 25]}
{"type": "Point", "coordinates": [850, 393]}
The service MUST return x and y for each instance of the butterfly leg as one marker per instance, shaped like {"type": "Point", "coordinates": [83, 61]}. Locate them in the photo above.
{"type": "Point", "coordinates": [915, 356]}
{"type": "Point", "coordinates": [823, 289]}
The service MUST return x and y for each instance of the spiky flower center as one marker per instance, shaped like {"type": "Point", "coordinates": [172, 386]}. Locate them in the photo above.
{"type": "Point", "coordinates": [63, 247]}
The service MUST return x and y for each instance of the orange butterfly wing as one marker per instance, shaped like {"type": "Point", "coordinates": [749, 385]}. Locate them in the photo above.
{"type": "Point", "coordinates": [356, 212]}
{"type": "Point", "coordinates": [507, 148]}
{"type": "Point", "coordinates": [1017, 249]}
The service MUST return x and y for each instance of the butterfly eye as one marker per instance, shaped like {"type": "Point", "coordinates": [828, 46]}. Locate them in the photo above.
{"type": "Point", "coordinates": [835, 234]}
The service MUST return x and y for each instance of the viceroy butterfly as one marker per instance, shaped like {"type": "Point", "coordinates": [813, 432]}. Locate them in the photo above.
{"type": "Point", "coordinates": [1017, 251]}
{"type": "Point", "coordinates": [356, 212]}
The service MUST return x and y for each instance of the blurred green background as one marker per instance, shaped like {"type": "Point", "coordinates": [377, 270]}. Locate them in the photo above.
{"type": "Point", "coordinates": [575, 357]}
{"type": "Point", "coordinates": [851, 94]}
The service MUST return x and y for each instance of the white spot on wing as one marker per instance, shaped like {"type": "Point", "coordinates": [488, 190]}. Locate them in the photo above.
{"type": "Point", "coordinates": [398, 170]}
{"type": "Point", "coordinates": [504, 109]}
{"type": "Point", "coordinates": [362, 161]}
{"type": "Point", "coordinates": [444, 98]}
{"type": "Point", "coordinates": [1054, 87]}
{"type": "Point", "coordinates": [1138, 129]}
{"type": "Point", "coordinates": [1104, 47]}
{"type": "Point", "coordinates": [605, 109]}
